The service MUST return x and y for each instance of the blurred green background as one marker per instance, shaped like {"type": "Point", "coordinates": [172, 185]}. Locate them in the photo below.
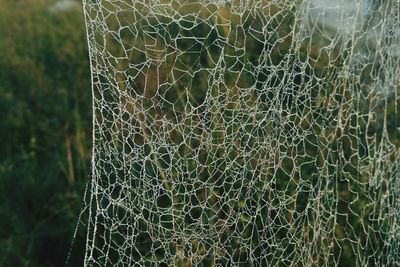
{"type": "Point", "coordinates": [45, 107]}
{"type": "Point", "coordinates": [45, 104]}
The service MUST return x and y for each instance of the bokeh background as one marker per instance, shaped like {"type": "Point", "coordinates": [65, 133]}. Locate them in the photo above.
{"type": "Point", "coordinates": [45, 125]}
{"type": "Point", "coordinates": [45, 131]}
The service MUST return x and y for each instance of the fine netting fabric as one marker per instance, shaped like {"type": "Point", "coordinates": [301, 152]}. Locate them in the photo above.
{"type": "Point", "coordinates": [244, 133]}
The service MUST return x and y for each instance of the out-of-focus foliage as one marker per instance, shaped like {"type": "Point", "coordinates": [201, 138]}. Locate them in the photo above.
{"type": "Point", "coordinates": [45, 125]}
{"type": "Point", "coordinates": [44, 129]}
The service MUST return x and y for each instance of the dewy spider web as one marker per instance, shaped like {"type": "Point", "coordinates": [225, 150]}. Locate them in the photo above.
{"type": "Point", "coordinates": [244, 133]}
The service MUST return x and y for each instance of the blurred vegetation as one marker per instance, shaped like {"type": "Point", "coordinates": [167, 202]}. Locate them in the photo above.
{"type": "Point", "coordinates": [45, 104]}
{"type": "Point", "coordinates": [45, 107]}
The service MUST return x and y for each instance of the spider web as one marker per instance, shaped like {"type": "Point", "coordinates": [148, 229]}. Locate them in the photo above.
{"type": "Point", "coordinates": [244, 133]}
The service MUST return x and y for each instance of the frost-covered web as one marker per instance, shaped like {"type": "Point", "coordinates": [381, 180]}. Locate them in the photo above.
{"type": "Point", "coordinates": [244, 133]}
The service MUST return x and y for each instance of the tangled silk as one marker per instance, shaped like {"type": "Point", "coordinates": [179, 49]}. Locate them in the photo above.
{"type": "Point", "coordinates": [244, 133]}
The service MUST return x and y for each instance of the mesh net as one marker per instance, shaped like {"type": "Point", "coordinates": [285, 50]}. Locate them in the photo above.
{"type": "Point", "coordinates": [244, 133]}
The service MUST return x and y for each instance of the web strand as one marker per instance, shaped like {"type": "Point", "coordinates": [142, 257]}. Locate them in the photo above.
{"type": "Point", "coordinates": [244, 133]}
